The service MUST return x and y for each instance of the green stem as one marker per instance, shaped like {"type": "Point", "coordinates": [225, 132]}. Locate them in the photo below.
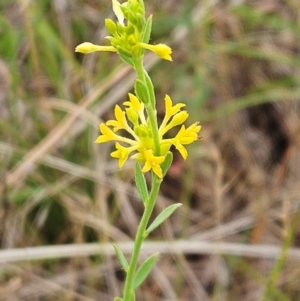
{"type": "Point", "coordinates": [150, 105]}
{"type": "Point", "coordinates": [140, 236]}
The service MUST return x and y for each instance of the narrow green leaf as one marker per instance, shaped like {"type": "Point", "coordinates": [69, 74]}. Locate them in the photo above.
{"type": "Point", "coordinates": [144, 270]}
{"type": "Point", "coordinates": [147, 30]}
{"type": "Point", "coordinates": [150, 88]}
{"type": "Point", "coordinates": [162, 217]}
{"type": "Point", "coordinates": [141, 182]}
{"type": "Point", "coordinates": [126, 59]}
{"type": "Point", "coordinates": [121, 257]}
{"type": "Point", "coordinates": [118, 299]}
{"type": "Point", "coordinates": [167, 163]}
{"type": "Point", "coordinates": [141, 91]}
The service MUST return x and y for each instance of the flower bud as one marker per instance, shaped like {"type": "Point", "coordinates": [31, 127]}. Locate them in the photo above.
{"type": "Point", "coordinates": [111, 26]}
{"type": "Point", "coordinates": [140, 22]}
{"type": "Point", "coordinates": [179, 118]}
{"type": "Point", "coordinates": [132, 116]}
{"type": "Point", "coordinates": [87, 47]}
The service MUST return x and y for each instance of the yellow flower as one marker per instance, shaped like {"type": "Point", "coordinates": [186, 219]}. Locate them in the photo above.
{"type": "Point", "coordinates": [134, 103]}
{"type": "Point", "coordinates": [177, 119]}
{"type": "Point", "coordinates": [161, 50]}
{"type": "Point", "coordinates": [126, 38]}
{"type": "Point", "coordinates": [140, 146]}
{"type": "Point", "coordinates": [174, 117]}
{"type": "Point", "coordinates": [186, 136]}
{"type": "Point", "coordinates": [120, 122]}
{"type": "Point", "coordinates": [121, 153]}
{"type": "Point", "coordinates": [108, 135]}
{"type": "Point", "coordinates": [170, 110]}
{"type": "Point", "coordinates": [189, 135]}
{"type": "Point", "coordinates": [153, 162]}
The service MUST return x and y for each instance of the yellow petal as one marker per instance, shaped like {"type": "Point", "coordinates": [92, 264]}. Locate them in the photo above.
{"type": "Point", "coordinates": [181, 133]}
{"type": "Point", "coordinates": [146, 167]}
{"type": "Point", "coordinates": [195, 127]}
{"type": "Point", "coordinates": [168, 103]}
{"type": "Point", "coordinates": [157, 170]}
{"type": "Point", "coordinates": [107, 134]}
{"type": "Point", "coordinates": [136, 104]}
{"type": "Point", "coordinates": [170, 110]}
{"type": "Point", "coordinates": [106, 131]}
{"type": "Point", "coordinates": [182, 150]}
{"type": "Point", "coordinates": [120, 116]}
{"type": "Point", "coordinates": [115, 124]}
{"type": "Point", "coordinates": [102, 139]}
{"type": "Point", "coordinates": [189, 139]}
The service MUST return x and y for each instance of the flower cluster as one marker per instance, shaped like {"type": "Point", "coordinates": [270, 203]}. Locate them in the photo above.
{"type": "Point", "coordinates": [139, 144]}
{"type": "Point", "coordinates": [130, 35]}
{"type": "Point", "coordinates": [144, 141]}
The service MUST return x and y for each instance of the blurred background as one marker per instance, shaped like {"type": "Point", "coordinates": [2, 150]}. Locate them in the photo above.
{"type": "Point", "coordinates": [236, 65]}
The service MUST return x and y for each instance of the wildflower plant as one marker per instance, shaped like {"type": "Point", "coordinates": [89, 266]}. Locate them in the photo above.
{"type": "Point", "coordinates": [146, 141]}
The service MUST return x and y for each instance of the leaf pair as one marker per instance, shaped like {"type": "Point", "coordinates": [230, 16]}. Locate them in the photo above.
{"type": "Point", "coordinates": [143, 271]}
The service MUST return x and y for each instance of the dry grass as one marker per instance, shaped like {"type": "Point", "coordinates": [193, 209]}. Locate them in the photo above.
{"type": "Point", "coordinates": [64, 201]}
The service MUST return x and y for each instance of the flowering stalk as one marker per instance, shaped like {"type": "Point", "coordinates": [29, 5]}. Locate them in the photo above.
{"type": "Point", "coordinates": [140, 236]}
{"type": "Point", "coordinates": [146, 142]}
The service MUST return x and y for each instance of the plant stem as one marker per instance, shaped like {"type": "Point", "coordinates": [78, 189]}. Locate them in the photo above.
{"type": "Point", "coordinates": [128, 294]}
{"type": "Point", "coordinates": [140, 236]}
{"type": "Point", "coordinates": [150, 105]}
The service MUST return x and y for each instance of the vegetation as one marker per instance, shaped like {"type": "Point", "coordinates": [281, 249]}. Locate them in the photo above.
{"type": "Point", "coordinates": [236, 237]}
